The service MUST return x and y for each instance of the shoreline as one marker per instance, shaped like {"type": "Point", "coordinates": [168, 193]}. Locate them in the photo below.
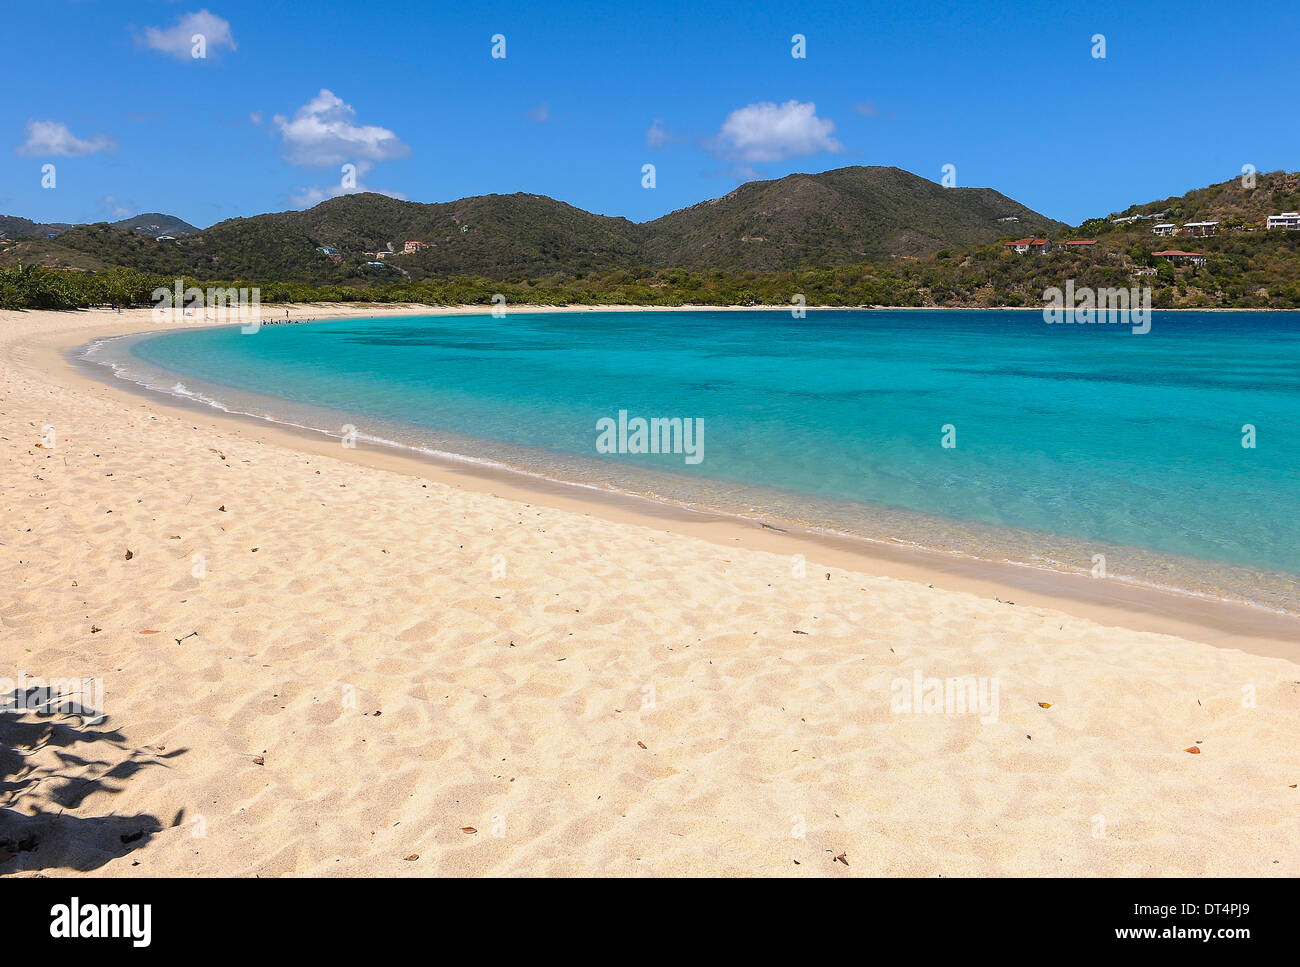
{"type": "Point", "coordinates": [314, 661]}
{"type": "Point", "coordinates": [345, 309]}
{"type": "Point", "coordinates": [1130, 605]}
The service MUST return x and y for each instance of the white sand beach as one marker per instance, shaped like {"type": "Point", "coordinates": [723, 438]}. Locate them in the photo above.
{"type": "Point", "coordinates": [318, 661]}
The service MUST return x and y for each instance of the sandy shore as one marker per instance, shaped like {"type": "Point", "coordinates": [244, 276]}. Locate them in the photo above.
{"type": "Point", "coordinates": [325, 661]}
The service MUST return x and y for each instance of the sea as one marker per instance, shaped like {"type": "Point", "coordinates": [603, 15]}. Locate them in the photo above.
{"type": "Point", "coordinates": [1168, 458]}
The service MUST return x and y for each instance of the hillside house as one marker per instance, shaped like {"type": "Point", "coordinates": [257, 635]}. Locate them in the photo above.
{"type": "Point", "coordinates": [1081, 244]}
{"type": "Point", "coordinates": [1023, 245]}
{"type": "Point", "coordinates": [1289, 220]}
{"type": "Point", "coordinates": [1164, 228]}
{"type": "Point", "coordinates": [327, 250]}
{"type": "Point", "coordinates": [1173, 255]}
{"type": "Point", "coordinates": [1200, 228]}
{"type": "Point", "coordinates": [411, 247]}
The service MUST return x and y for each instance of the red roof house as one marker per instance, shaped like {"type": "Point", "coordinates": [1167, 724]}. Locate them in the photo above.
{"type": "Point", "coordinates": [1023, 245]}
{"type": "Point", "coordinates": [1174, 255]}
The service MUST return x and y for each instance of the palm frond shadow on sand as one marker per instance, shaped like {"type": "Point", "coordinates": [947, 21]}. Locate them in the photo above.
{"type": "Point", "coordinates": [50, 766]}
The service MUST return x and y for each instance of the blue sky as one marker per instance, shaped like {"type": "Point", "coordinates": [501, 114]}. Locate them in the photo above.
{"type": "Point", "coordinates": [1009, 92]}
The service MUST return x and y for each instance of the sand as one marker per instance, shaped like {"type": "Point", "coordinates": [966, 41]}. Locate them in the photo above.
{"type": "Point", "coordinates": [363, 666]}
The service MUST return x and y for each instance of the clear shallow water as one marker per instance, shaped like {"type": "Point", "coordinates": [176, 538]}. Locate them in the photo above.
{"type": "Point", "coordinates": [1070, 440]}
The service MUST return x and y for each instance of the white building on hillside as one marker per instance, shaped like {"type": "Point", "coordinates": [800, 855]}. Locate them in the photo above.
{"type": "Point", "coordinates": [1174, 255]}
{"type": "Point", "coordinates": [1023, 245]}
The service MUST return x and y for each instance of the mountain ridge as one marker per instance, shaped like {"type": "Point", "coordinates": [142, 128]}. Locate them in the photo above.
{"type": "Point", "coordinates": [844, 217]}
{"type": "Point", "coordinates": [800, 220]}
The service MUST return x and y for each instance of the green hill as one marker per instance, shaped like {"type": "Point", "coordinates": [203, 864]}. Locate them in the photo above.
{"type": "Point", "coordinates": [847, 215]}
{"type": "Point", "coordinates": [1235, 205]}
{"type": "Point", "coordinates": [155, 224]}
{"type": "Point", "coordinates": [11, 226]}
{"type": "Point", "coordinates": [834, 218]}
{"type": "Point", "coordinates": [493, 235]}
{"type": "Point", "coordinates": [855, 236]}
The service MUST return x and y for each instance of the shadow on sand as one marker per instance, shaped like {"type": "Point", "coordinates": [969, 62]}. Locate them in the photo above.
{"type": "Point", "coordinates": [50, 764]}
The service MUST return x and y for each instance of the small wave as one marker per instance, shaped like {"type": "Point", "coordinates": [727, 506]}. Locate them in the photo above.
{"type": "Point", "coordinates": [103, 352]}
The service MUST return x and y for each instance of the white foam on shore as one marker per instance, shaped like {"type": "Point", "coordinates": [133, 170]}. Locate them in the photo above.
{"type": "Point", "coordinates": [169, 386]}
{"type": "Point", "coordinates": [164, 383]}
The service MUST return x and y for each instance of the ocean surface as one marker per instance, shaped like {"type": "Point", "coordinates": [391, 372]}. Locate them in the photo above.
{"type": "Point", "coordinates": [1071, 447]}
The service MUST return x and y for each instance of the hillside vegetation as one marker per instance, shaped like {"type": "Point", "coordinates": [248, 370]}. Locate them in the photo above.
{"type": "Point", "coordinates": [835, 239]}
{"type": "Point", "coordinates": [847, 215]}
{"type": "Point", "coordinates": [834, 218]}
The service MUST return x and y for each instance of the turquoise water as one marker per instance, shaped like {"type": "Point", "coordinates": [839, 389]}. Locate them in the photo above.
{"type": "Point", "coordinates": [1070, 440]}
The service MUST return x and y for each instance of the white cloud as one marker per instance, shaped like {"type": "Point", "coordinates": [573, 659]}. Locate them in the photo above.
{"type": "Point", "coordinates": [178, 40]}
{"type": "Point", "coordinates": [867, 109]}
{"type": "Point", "coordinates": [770, 132]}
{"type": "Point", "coordinates": [313, 195]}
{"type": "Point", "coordinates": [52, 138]}
{"type": "Point", "coordinates": [110, 204]}
{"type": "Point", "coordinates": [322, 132]}
{"type": "Point", "coordinates": [541, 113]}
{"type": "Point", "coordinates": [656, 136]}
